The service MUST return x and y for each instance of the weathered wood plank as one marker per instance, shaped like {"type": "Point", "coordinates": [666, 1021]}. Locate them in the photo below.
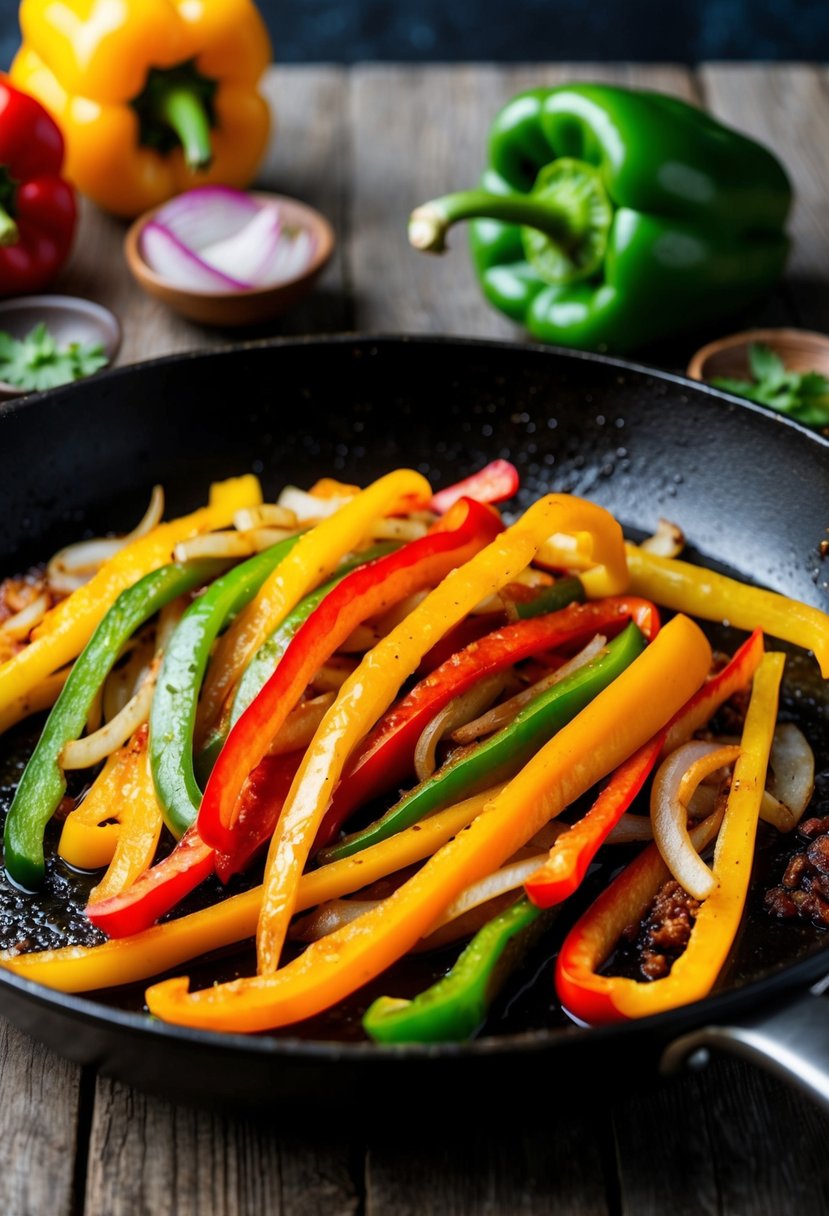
{"type": "Point", "coordinates": [526, 1166]}
{"type": "Point", "coordinates": [147, 1156]}
{"type": "Point", "coordinates": [38, 1127]}
{"type": "Point", "coordinates": [787, 108]}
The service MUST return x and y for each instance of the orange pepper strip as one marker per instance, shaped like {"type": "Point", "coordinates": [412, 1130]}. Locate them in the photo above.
{"type": "Point", "coordinates": [601, 998]}
{"type": "Point", "coordinates": [309, 563]}
{"type": "Point", "coordinates": [371, 688]}
{"type": "Point", "coordinates": [64, 631]}
{"type": "Point", "coordinates": [125, 960]}
{"type": "Point", "coordinates": [714, 597]}
{"type": "Point", "coordinates": [618, 721]}
{"type": "Point", "coordinates": [123, 792]}
{"type": "Point", "coordinates": [42, 696]}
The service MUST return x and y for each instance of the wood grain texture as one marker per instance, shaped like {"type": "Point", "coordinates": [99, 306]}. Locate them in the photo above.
{"type": "Point", "coordinates": [38, 1127]}
{"type": "Point", "coordinates": [150, 1158]}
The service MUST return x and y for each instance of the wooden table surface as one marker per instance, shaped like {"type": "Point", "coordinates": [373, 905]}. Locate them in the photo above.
{"type": "Point", "coordinates": [364, 145]}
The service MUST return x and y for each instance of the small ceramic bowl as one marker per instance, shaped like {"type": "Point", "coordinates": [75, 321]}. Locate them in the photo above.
{"type": "Point", "coordinates": [237, 308]}
{"type": "Point", "coordinates": [68, 318]}
{"type": "Point", "coordinates": [800, 349]}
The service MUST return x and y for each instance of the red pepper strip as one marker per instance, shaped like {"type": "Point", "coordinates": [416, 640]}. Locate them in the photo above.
{"type": "Point", "coordinates": [495, 482]}
{"type": "Point", "coordinates": [573, 851]}
{"type": "Point", "coordinates": [387, 756]}
{"type": "Point", "coordinates": [164, 885]}
{"type": "Point", "coordinates": [734, 676]}
{"type": "Point", "coordinates": [470, 629]}
{"type": "Point", "coordinates": [367, 591]}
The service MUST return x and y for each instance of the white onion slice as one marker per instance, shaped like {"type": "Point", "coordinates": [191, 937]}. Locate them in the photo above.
{"type": "Point", "coordinates": [508, 878]}
{"type": "Point", "coordinates": [504, 713]}
{"type": "Point", "coordinates": [23, 622]}
{"type": "Point", "coordinates": [458, 711]}
{"type": "Point", "coordinates": [92, 749]}
{"type": "Point", "coordinates": [75, 565]}
{"type": "Point", "coordinates": [792, 778]}
{"type": "Point", "coordinates": [214, 544]}
{"type": "Point", "coordinates": [298, 728]}
{"type": "Point", "coordinates": [267, 515]}
{"type": "Point", "coordinates": [398, 529]}
{"type": "Point", "coordinates": [667, 541]}
{"type": "Point", "coordinates": [308, 507]}
{"type": "Point", "coordinates": [671, 792]}
{"type": "Point", "coordinates": [329, 917]}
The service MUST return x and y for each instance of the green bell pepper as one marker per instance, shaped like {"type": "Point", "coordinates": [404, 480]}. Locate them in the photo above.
{"type": "Point", "coordinates": [504, 753]}
{"type": "Point", "coordinates": [453, 1009]}
{"type": "Point", "coordinates": [43, 783]}
{"type": "Point", "coordinates": [608, 218]}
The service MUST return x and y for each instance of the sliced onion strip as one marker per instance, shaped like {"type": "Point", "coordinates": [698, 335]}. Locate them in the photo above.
{"type": "Point", "coordinates": [398, 529]}
{"type": "Point", "coordinates": [791, 778]}
{"type": "Point", "coordinates": [75, 565]}
{"type": "Point", "coordinates": [92, 749]}
{"type": "Point", "coordinates": [673, 786]}
{"type": "Point", "coordinates": [667, 541]}
{"type": "Point", "coordinates": [299, 727]}
{"type": "Point", "coordinates": [23, 622]}
{"type": "Point", "coordinates": [458, 711]}
{"type": "Point", "coordinates": [214, 544]}
{"type": "Point", "coordinates": [504, 713]}
{"type": "Point", "coordinates": [267, 515]}
{"type": "Point", "coordinates": [308, 508]}
{"type": "Point", "coordinates": [508, 878]}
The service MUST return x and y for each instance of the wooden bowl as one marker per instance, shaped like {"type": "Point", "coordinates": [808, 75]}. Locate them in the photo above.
{"type": "Point", "coordinates": [800, 349]}
{"type": "Point", "coordinates": [237, 308]}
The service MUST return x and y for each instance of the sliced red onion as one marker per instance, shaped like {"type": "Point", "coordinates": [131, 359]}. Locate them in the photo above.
{"type": "Point", "coordinates": [176, 262]}
{"type": "Point", "coordinates": [208, 214]}
{"type": "Point", "coordinates": [248, 254]}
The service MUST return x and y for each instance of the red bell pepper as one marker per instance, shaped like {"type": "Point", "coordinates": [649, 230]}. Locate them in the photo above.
{"type": "Point", "coordinates": [735, 675]}
{"type": "Point", "coordinates": [496, 482]}
{"type": "Point", "coordinates": [573, 851]}
{"type": "Point", "coordinates": [386, 757]}
{"type": "Point", "coordinates": [164, 885]}
{"type": "Point", "coordinates": [37, 207]}
{"type": "Point", "coordinates": [366, 592]}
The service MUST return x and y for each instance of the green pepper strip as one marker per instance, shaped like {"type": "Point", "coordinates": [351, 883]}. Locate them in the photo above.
{"type": "Point", "coordinates": [264, 662]}
{"type": "Point", "coordinates": [505, 752]}
{"type": "Point", "coordinates": [43, 783]}
{"type": "Point", "coordinates": [551, 599]}
{"type": "Point", "coordinates": [454, 1008]}
{"type": "Point", "coordinates": [173, 714]}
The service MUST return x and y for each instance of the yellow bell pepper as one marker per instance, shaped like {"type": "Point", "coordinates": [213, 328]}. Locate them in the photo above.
{"type": "Point", "coordinates": [42, 696]}
{"type": "Point", "coordinates": [600, 998]}
{"type": "Point", "coordinates": [124, 960]}
{"type": "Point", "coordinates": [715, 597]}
{"type": "Point", "coordinates": [118, 824]}
{"type": "Point", "coordinates": [611, 727]}
{"type": "Point", "coordinates": [153, 96]}
{"type": "Point", "coordinates": [309, 563]}
{"type": "Point", "coordinates": [64, 631]}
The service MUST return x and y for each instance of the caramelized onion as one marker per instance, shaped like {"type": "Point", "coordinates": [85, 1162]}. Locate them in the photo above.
{"type": "Point", "coordinates": [792, 778]}
{"type": "Point", "coordinates": [92, 749]}
{"type": "Point", "coordinates": [458, 711]}
{"type": "Point", "coordinates": [23, 622]}
{"type": "Point", "coordinates": [75, 565]}
{"type": "Point", "coordinates": [673, 786]}
{"type": "Point", "coordinates": [667, 541]}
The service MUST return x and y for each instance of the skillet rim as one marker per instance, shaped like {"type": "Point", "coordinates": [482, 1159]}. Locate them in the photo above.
{"type": "Point", "coordinates": [784, 979]}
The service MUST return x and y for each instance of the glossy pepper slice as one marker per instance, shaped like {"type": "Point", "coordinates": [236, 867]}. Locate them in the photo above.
{"type": "Point", "coordinates": [367, 591]}
{"type": "Point", "coordinates": [607, 218]}
{"type": "Point", "coordinates": [173, 713]}
{"type": "Point", "coordinates": [37, 207]}
{"type": "Point", "coordinates": [310, 563]}
{"type": "Point", "coordinates": [617, 722]}
{"type": "Point", "coordinates": [386, 758]}
{"type": "Point", "coordinates": [503, 753]}
{"type": "Point", "coordinates": [454, 1008]}
{"type": "Point", "coordinates": [66, 628]}
{"type": "Point", "coordinates": [715, 597]}
{"type": "Point", "coordinates": [43, 783]}
{"type": "Point", "coordinates": [600, 998]}
{"type": "Point", "coordinates": [153, 96]}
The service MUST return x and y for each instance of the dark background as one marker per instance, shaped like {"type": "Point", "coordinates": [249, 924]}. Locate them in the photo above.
{"type": "Point", "coordinates": [682, 31]}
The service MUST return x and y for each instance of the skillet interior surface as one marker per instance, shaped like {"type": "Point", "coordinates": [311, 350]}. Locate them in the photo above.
{"type": "Point", "coordinates": [750, 491]}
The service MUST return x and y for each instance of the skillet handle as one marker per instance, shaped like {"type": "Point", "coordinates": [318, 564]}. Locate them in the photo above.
{"type": "Point", "coordinates": [791, 1040]}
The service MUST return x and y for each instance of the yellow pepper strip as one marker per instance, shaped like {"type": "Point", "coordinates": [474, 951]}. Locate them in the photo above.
{"type": "Point", "coordinates": [617, 722]}
{"type": "Point", "coordinates": [42, 696]}
{"type": "Point", "coordinates": [714, 597]}
{"type": "Point", "coordinates": [124, 793]}
{"type": "Point", "coordinates": [66, 628]}
{"type": "Point", "coordinates": [370, 689]}
{"type": "Point", "coordinates": [600, 998]}
{"type": "Point", "coordinates": [309, 563]}
{"type": "Point", "coordinates": [125, 960]}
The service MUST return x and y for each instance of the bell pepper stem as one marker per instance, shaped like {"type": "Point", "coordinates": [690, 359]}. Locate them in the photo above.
{"type": "Point", "coordinates": [9, 234]}
{"type": "Point", "coordinates": [429, 223]}
{"type": "Point", "coordinates": [181, 107]}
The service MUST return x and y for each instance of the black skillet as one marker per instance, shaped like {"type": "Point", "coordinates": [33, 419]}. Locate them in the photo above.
{"type": "Point", "coordinates": [751, 492]}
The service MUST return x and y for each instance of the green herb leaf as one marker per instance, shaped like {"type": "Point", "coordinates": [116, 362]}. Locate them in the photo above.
{"type": "Point", "coordinates": [36, 362]}
{"type": "Point", "coordinates": [803, 396]}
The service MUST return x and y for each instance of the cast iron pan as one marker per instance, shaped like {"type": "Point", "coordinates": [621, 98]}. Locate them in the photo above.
{"type": "Point", "coordinates": [750, 490]}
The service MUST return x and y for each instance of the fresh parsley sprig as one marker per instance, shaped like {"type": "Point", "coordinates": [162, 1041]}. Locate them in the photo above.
{"type": "Point", "coordinates": [37, 362]}
{"type": "Point", "coordinates": [803, 396]}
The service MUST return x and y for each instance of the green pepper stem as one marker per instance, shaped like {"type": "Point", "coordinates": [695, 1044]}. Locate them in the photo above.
{"type": "Point", "coordinates": [9, 234]}
{"type": "Point", "coordinates": [181, 107]}
{"type": "Point", "coordinates": [429, 224]}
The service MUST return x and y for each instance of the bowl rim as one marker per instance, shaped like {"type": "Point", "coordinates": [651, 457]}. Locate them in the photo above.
{"type": "Point", "coordinates": [770, 335]}
{"type": "Point", "coordinates": [79, 305]}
